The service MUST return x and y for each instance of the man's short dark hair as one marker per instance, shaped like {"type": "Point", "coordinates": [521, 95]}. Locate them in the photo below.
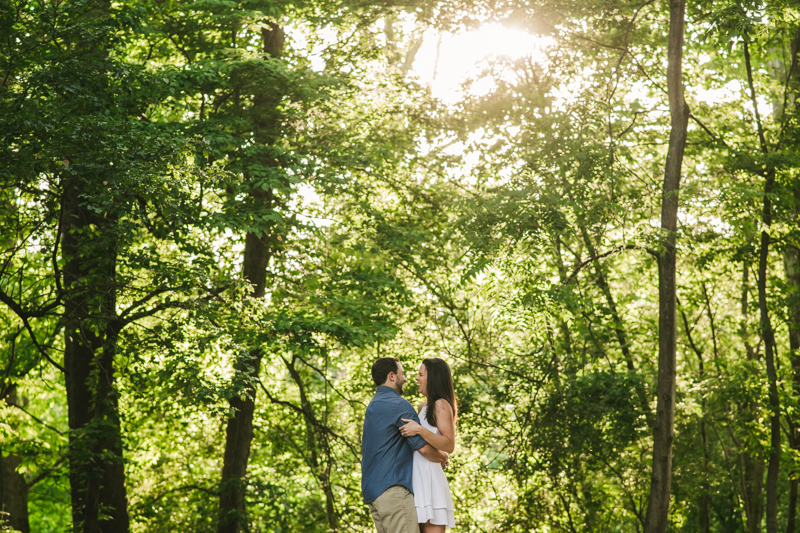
{"type": "Point", "coordinates": [382, 368]}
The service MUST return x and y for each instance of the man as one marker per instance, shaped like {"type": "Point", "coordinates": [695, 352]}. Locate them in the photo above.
{"type": "Point", "coordinates": [386, 456]}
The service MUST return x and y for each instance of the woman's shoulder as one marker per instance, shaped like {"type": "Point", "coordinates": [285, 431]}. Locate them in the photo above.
{"type": "Point", "coordinates": [443, 405]}
{"type": "Point", "coordinates": [423, 403]}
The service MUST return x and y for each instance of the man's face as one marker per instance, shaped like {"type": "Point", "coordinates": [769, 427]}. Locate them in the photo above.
{"type": "Point", "coordinates": [400, 378]}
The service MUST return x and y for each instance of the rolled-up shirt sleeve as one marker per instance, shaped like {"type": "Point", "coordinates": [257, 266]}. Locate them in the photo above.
{"type": "Point", "coordinates": [407, 411]}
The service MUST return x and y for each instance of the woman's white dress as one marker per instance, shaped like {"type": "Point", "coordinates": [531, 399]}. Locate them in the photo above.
{"type": "Point", "coordinates": [431, 490]}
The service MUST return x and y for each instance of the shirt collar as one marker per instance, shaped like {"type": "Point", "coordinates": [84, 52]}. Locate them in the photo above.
{"type": "Point", "coordinates": [383, 389]}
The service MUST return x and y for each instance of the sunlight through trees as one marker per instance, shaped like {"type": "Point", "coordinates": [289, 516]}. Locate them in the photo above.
{"type": "Point", "coordinates": [216, 214]}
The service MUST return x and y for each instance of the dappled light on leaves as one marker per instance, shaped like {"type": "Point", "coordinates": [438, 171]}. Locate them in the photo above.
{"type": "Point", "coordinates": [214, 217]}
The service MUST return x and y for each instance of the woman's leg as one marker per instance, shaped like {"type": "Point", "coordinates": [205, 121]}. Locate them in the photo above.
{"type": "Point", "coordinates": [427, 527]}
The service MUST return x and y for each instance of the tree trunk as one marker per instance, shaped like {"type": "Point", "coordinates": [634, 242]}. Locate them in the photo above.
{"type": "Point", "coordinates": [790, 524]}
{"type": "Point", "coordinates": [91, 327]}
{"type": "Point", "coordinates": [661, 476]}
{"type": "Point", "coordinates": [619, 326]}
{"type": "Point", "coordinates": [238, 436]}
{"type": "Point", "coordinates": [13, 495]}
{"type": "Point", "coordinates": [767, 332]}
{"type": "Point", "coordinates": [705, 514]}
{"type": "Point", "coordinates": [562, 275]}
{"type": "Point", "coordinates": [705, 504]}
{"type": "Point", "coordinates": [257, 253]}
{"type": "Point", "coordinates": [793, 482]}
{"type": "Point", "coordinates": [13, 487]}
{"type": "Point", "coordinates": [705, 501]}
{"type": "Point", "coordinates": [316, 440]}
{"type": "Point", "coordinates": [239, 431]}
{"type": "Point", "coordinates": [600, 279]}
{"type": "Point", "coordinates": [752, 477]}
{"type": "Point", "coordinates": [769, 354]}
{"type": "Point", "coordinates": [97, 474]}
{"type": "Point", "coordinates": [791, 268]}
{"type": "Point", "coordinates": [751, 466]}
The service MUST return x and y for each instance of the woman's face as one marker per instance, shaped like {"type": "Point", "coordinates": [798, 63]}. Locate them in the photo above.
{"type": "Point", "coordinates": [422, 380]}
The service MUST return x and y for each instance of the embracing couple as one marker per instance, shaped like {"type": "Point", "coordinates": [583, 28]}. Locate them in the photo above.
{"type": "Point", "coordinates": [404, 454]}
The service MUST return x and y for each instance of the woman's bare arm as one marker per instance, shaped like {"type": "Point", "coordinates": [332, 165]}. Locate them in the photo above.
{"type": "Point", "coordinates": [445, 423]}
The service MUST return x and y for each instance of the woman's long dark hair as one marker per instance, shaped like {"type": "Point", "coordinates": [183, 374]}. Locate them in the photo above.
{"type": "Point", "coordinates": [440, 385]}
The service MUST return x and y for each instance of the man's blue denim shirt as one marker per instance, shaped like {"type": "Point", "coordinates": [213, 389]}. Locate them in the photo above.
{"type": "Point", "coordinates": [387, 458]}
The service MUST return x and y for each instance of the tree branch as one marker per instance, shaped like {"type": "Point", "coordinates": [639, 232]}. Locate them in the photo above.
{"type": "Point", "coordinates": [748, 67]}
{"type": "Point", "coordinates": [583, 265]}
{"type": "Point", "coordinates": [44, 473]}
{"type": "Point", "coordinates": [321, 373]}
{"type": "Point", "coordinates": [143, 300]}
{"type": "Point", "coordinates": [54, 255]}
{"type": "Point", "coordinates": [708, 131]}
{"type": "Point", "coordinates": [51, 428]}
{"type": "Point", "coordinates": [24, 317]}
{"type": "Point", "coordinates": [322, 427]}
{"type": "Point", "coordinates": [23, 313]}
{"type": "Point", "coordinates": [163, 306]}
{"type": "Point", "coordinates": [178, 489]}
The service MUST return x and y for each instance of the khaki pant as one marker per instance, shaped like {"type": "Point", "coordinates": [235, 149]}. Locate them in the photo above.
{"type": "Point", "coordinates": [394, 511]}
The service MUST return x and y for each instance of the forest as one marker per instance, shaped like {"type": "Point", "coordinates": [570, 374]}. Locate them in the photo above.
{"type": "Point", "coordinates": [215, 215]}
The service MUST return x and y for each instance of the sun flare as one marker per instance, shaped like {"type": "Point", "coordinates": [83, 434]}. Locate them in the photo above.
{"type": "Point", "coordinates": [446, 60]}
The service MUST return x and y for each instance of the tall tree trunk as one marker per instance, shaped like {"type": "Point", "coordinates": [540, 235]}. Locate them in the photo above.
{"type": "Point", "coordinates": [239, 431]}
{"type": "Point", "coordinates": [257, 253]}
{"type": "Point", "coordinates": [97, 475]}
{"type": "Point", "coordinates": [89, 250]}
{"type": "Point", "coordinates": [769, 354]}
{"type": "Point", "coordinates": [316, 439]}
{"type": "Point", "coordinates": [793, 482]}
{"type": "Point", "coordinates": [13, 487]}
{"type": "Point", "coordinates": [751, 466]}
{"type": "Point", "coordinates": [13, 495]}
{"type": "Point", "coordinates": [767, 332]}
{"type": "Point", "coordinates": [705, 504]}
{"type": "Point", "coordinates": [705, 514]}
{"type": "Point", "coordinates": [752, 477]}
{"type": "Point", "coordinates": [562, 275]}
{"type": "Point", "coordinates": [600, 280]}
{"type": "Point", "coordinates": [619, 326]}
{"type": "Point", "coordinates": [791, 268]}
{"type": "Point", "coordinates": [661, 476]}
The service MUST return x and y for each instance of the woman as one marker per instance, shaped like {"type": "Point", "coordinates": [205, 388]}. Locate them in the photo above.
{"type": "Point", "coordinates": [438, 416]}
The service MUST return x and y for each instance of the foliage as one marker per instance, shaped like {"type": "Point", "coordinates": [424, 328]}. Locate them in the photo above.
{"type": "Point", "coordinates": [512, 232]}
